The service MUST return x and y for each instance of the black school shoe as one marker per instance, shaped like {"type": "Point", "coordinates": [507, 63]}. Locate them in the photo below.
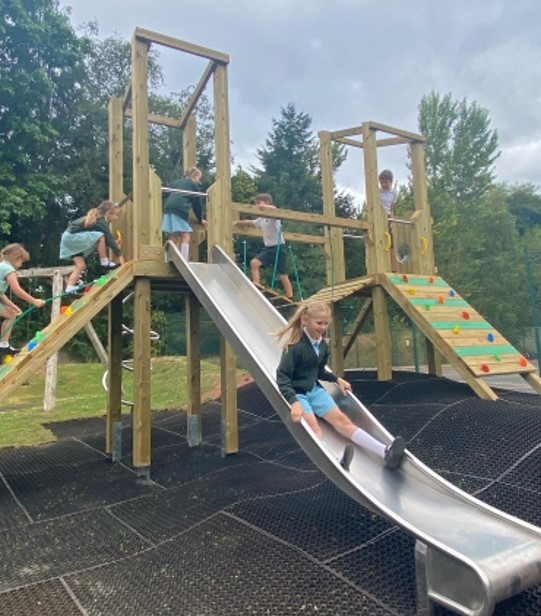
{"type": "Point", "coordinates": [345, 462]}
{"type": "Point", "coordinates": [394, 453]}
{"type": "Point", "coordinates": [9, 350]}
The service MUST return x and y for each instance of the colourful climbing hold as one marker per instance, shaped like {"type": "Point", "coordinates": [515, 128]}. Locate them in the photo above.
{"type": "Point", "coordinates": [69, 311]}
{"type": "Point", "coordinates": [38, 336]}
{"type": "Point", "coordinates": [452, 293]}
{"type": "Point", "coordinates": [485, 367]}
{"type": "Point", "coordinates": [32, 345]}
{"type": "Point", "coordinates": [466, 315]}
{"type": "Point", "coordinates": [456, 329]}
{"type": "Point", "coordinates": [490, 337]}
{"type": "Point", "coordinates": [497, 357]}
{"type": "Point", "coordinates": [411, 291]}
{"type": "Point", "coordinates": [8, 359]}
{"type": "Point", "coordinates": [405, 278]}
{"type": "Point", "coordinates": [523, 361]}
{"type": "Point", "coordinates": [427, 306]}
{"type": "Point", "coordinates": [431, 279]}
{"type": "Point", "coordinates": [441, 299]}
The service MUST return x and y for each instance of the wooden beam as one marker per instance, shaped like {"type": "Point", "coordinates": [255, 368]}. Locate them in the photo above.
{"type": "Point", "coordinates": [358, 325]}
{"type": "Point", "coordinates": [126, 99]}
{"type": "Point", "coordinates": [196, 94]}
{"type": "Point", "coordinates": [380, 143]}
{"type": "Point", "coordinates": [44, 272]}
{"type": "Point", "coordinates": [193, 343]}
{"type": "Point", "coordinates": [301, 238]}
{"type": "Point", "coordinates": [173, 43]}
{"type": "Point", "coordinates": [114, 376]}
{"type": "Point", "coordinates": [414, 137]}
{"type": "Point", "coordinates": [256, 211]}
{"type": "Point", "coordinates": [156, 119]}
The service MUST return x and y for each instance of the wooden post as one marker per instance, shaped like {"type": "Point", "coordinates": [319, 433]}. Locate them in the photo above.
{"type": "Point", "coordinates": [230, 433]}
{"type": "Point", "coordinates": [379, 257]}
{"type": "Point", "coordinates": [114, 380]}
{"type": "Point", "coordinates": [51, 375]}
{"type": "Point", "coordinates": [193, 351]}
{"type": "Point", "coordinates": [141, 376]}
{"type": "Point", "coordinates": [336, 264]}
{"type": "Point", "coordinates": [423, 252]}
{"type": "Point", "coordinates": [141, 237]}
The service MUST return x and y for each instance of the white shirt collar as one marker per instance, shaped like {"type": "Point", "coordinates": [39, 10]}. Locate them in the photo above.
{"type": "Point", "coordinates": [312, 340]}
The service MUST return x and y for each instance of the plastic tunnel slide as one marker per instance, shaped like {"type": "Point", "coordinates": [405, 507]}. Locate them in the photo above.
{"type": "Point", "coordinates": [469, 555]}
{"type": "Point", "coordinates": [52, 338]}
{"type": "Point", "coordinates": [470, 343]}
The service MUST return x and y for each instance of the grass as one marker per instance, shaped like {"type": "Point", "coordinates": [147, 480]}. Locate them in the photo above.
{"type": "Point", "coordinates": [80, 395]}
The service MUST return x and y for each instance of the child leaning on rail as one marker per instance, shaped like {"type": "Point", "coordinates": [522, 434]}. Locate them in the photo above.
{"type": "Point", "coordinates": [303, 365]}
{"type": "Point", "coordinates": [388, 197]}
{"type": "Point", "coordinates": [12, 258]}
{"type": "Point", "coordinates": [88, 234]}
{"type": "Point", "coordinates": [177, 208]}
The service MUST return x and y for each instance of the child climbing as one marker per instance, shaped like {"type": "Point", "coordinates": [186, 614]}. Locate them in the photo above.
{"type": "Point", "coordinates": [12, 258]}
{"type": "Point", "coordinates": [274, 250]}
{"type": "Point", "coordinates": [88, 234]}
{"type": "Point", "coordinates": [302, 365]}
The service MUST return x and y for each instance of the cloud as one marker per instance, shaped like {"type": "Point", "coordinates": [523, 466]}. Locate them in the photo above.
{"type": "Point", "coordinates": [353, 60]}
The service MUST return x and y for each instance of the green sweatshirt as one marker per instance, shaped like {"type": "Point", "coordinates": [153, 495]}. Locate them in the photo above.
{"type": "Point", "coordinates": [300, 368]}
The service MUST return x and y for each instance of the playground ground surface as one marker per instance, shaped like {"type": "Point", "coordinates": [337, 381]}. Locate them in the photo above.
{"type": "Point", "coordinates": [262, 532]}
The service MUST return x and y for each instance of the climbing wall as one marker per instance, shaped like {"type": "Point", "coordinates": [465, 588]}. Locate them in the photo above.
{"type": "Point", "coordinates": [454, 327]}
{"type": "Point", "coordinates": [51, 339]}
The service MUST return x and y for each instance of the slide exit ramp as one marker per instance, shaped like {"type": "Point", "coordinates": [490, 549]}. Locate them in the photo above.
{"type": "Point", "coordinates": [469, 556]}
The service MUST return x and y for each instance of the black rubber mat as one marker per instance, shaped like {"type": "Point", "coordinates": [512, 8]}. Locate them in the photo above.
{"type": "Point", "coordinates": [261, 532]}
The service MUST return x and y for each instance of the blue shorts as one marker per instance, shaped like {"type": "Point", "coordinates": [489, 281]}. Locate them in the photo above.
{"type": "Point", "coordinates": [172, 223]}
{"type": "Point", "coordinates": [318, 400]}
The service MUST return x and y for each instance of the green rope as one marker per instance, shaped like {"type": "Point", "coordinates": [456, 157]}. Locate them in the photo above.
{"type": "Point", "coordinates": [31, 308]}
{"type": "Point", "coordinates": [245, 256]}
{"type": "Point", "coordinates": [296, 273]}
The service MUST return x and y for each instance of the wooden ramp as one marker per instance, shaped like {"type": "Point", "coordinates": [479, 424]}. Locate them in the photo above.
{"type": "Point", "coordinates": [471, 345]}
{"type": "Point", "coordinates": [340, 291]}
{"type": "Point", "coordinates": [51, 339]}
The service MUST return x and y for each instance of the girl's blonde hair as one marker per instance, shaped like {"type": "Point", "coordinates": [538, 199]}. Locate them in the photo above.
{"type": "Point", "coordinates": [14, 252]}
{"type": "Point", "coordinates": [311, 308]}
{"type": "Point", "coordinates": [95, 213]}
{"type": "Point", "coordinates": [191, 171]}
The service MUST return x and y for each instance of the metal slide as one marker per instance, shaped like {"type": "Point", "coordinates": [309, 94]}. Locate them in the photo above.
{"type": "Point", "coordinates": [469, 556]}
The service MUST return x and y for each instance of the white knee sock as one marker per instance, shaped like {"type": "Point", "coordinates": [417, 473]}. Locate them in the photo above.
{"type": "Point", "coordinates": [362, 438]}
{"type": "Point", "coordinates": [185, 250]}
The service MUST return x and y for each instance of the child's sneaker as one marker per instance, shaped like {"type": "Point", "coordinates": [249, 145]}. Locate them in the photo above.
{"type": "Point", "coordinates": [74, 291]}
{"type": "Point", "coordinates": [349, 451]}
{"type": "Point", "coordinates": [9, 350]}
{"type": "Point", "coordinates": [394, 453]}
{"type": "Point", "coordinates": [108, 265]}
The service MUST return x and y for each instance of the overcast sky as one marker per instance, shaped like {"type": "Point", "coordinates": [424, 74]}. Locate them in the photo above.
{"type": "Point", "coordinates": [347, 61]}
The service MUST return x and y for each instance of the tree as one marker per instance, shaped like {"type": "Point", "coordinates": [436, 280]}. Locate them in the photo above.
{"type": "Point", "coordinates": [460, 149]}
{"type": "Point", "coordinates": [41, 74]}
{"type": "Point", "coordinates": [525, 203]}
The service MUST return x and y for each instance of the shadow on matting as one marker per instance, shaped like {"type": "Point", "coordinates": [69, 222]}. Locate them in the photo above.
{"type": "Point", "coordinates": [262, 532]}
